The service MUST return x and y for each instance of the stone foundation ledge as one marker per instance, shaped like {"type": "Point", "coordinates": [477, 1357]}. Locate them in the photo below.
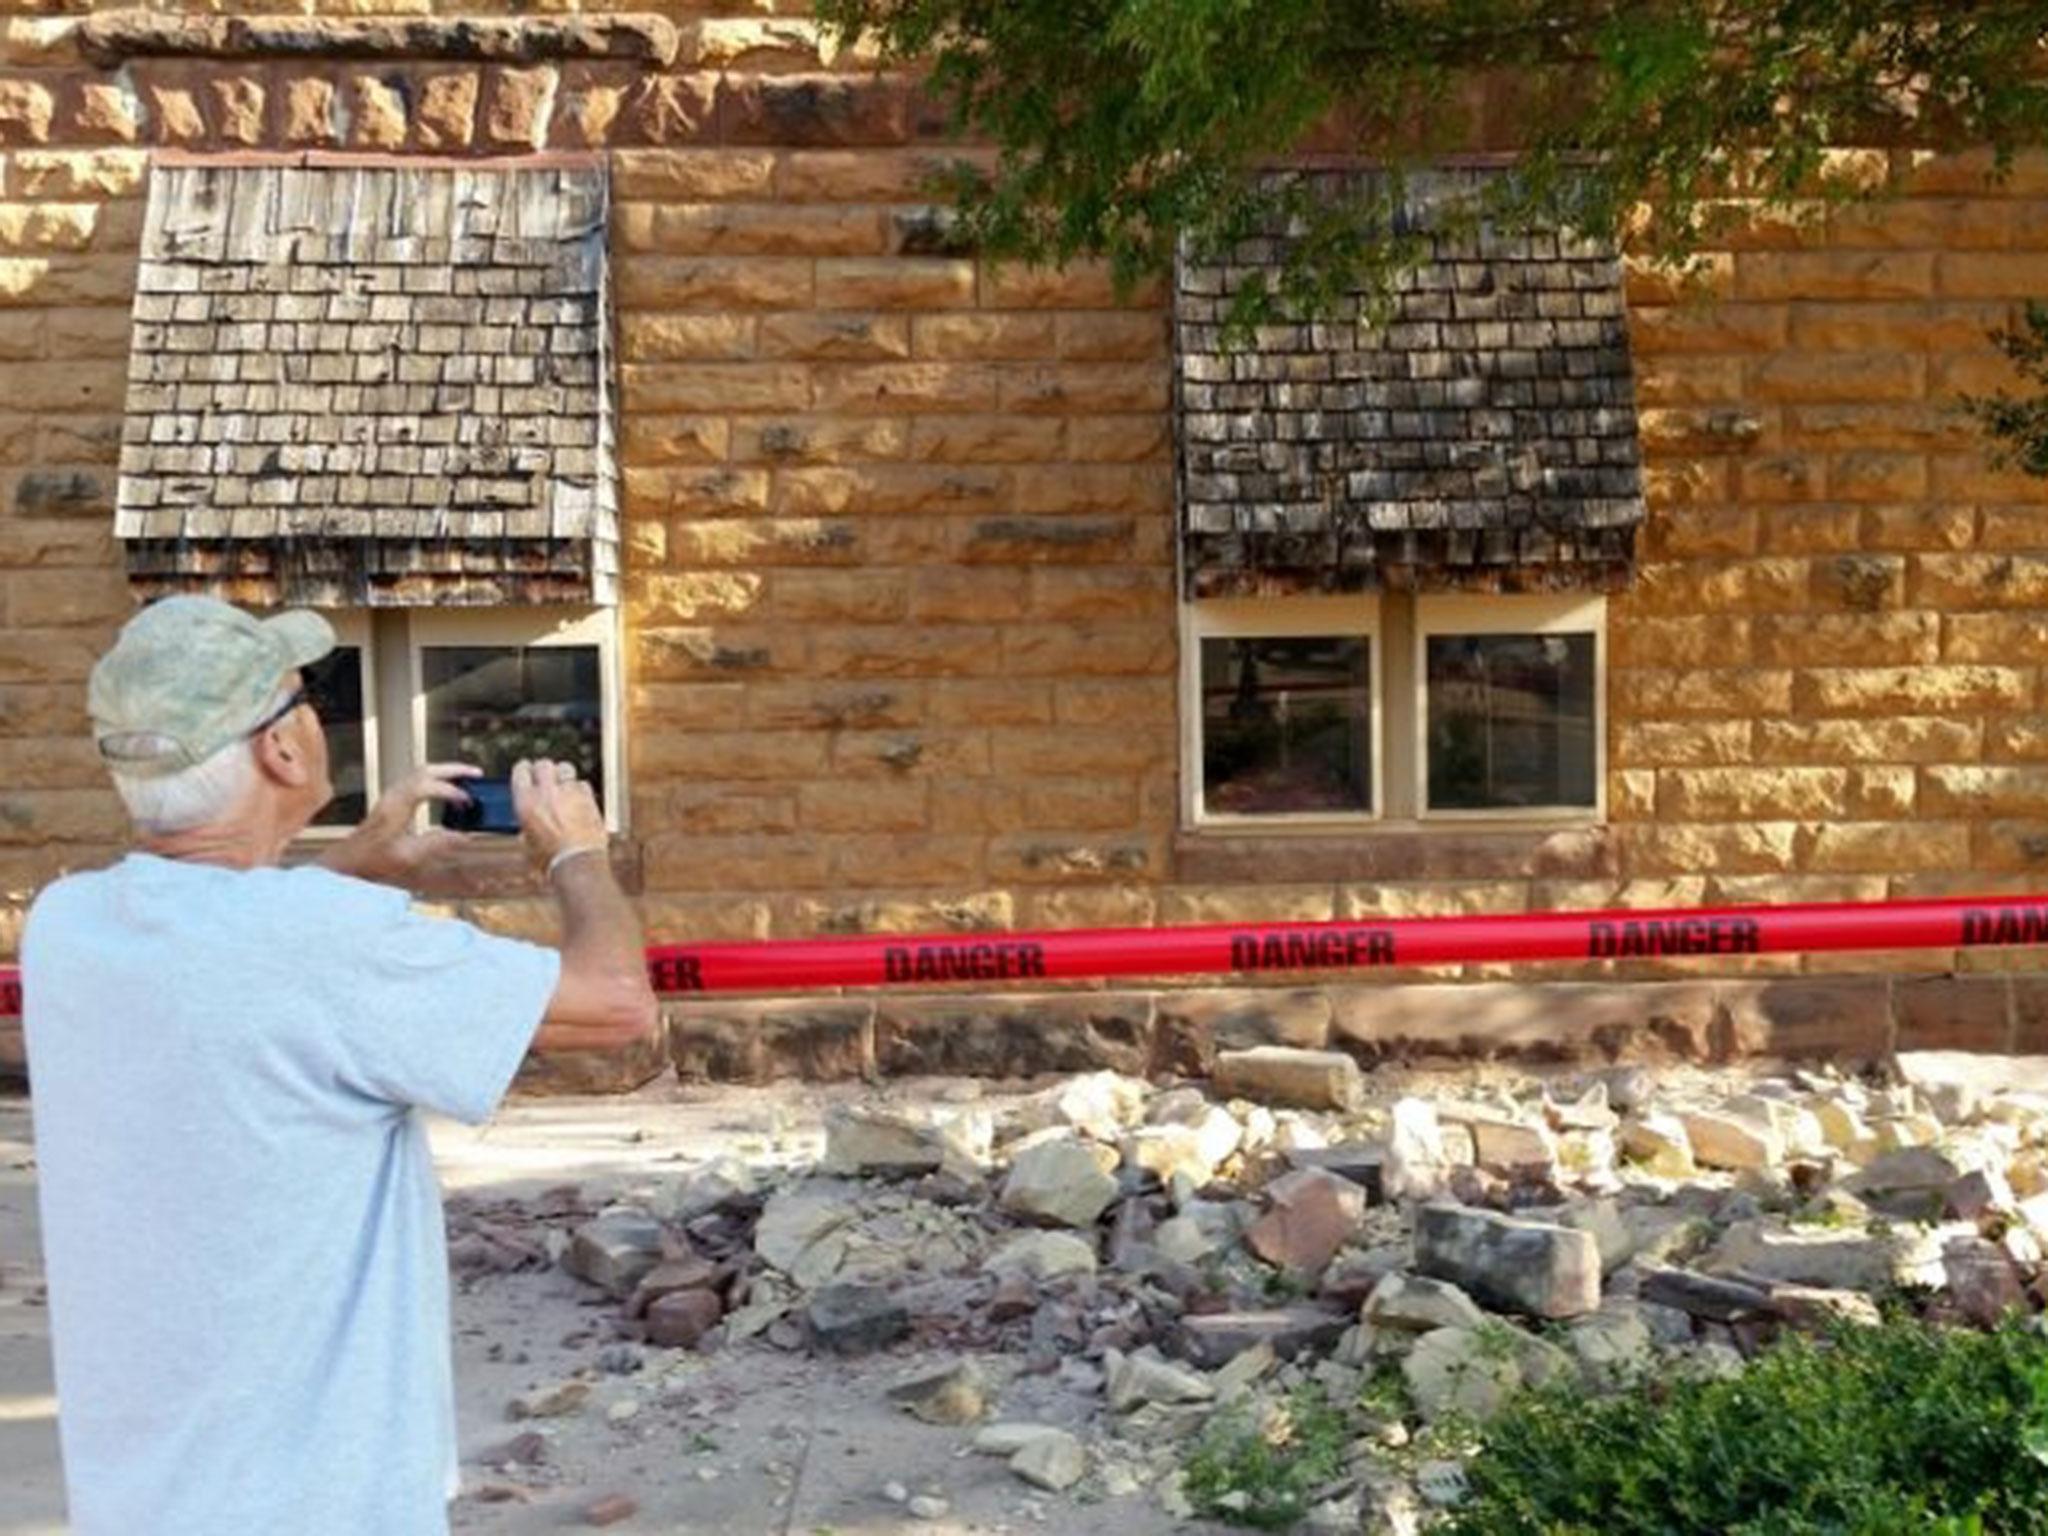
{"type": "Point", "coordinates": [1848, 1020]}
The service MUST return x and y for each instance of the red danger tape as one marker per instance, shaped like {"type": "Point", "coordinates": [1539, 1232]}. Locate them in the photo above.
{"type": "Point", "coordinates": [796, 965]}
{"type": "Point", "coordinates": [1255, 948]}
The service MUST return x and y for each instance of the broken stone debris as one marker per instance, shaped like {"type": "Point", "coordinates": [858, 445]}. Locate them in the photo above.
{"type": "Point", "coordinates": [1124, 1244]}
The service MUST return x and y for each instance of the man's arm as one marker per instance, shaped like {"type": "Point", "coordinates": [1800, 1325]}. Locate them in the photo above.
{"type": "Point", "coordinates": [385, 848]}
{"type": "Point", "coordinates": [603, 1000]}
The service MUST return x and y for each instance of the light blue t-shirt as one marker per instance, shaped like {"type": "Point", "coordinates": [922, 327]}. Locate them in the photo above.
{"type": "Point", "coordinates": [247, 1265]}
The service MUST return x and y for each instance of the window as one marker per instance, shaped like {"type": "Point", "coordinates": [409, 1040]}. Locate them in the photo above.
{"type": "Point", "coordinates": [1496, 712]}
{"type": "Point", "coordinates": [1509, 705]}
{"type": "Point", "coordinates": [339, 687]}
{"type": "Point", "coordinates": [484, 686]}
{"type": "Point", "coordinates": [1284, 710]}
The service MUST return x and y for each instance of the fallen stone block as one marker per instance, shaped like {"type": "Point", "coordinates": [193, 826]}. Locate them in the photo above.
{"type": "Point", "coordinates": [1909, 1183]}
{"type": "Point", "coordinates": [1279, 1074]}
{"type": "Point", "coordinates": [1362, 1162]}
{"type": "Point", "coordinates": [1416, 1164]}
{"type": "Point", "coordinates": [1613, 1345]}
{"type": "Point", "coordinates": [1731, 1141]}
{"type": "Point", "coordinates": [801, 1233]}
{"type": "Point", "coordinates": [1419, 1304]}
{"type": "Point", "coordinates": [1711, 1297]}
{"type": "Point", "coordinates": [1312, 1215]}
{"type": "Point", "coordinates": [1815, 1308]}
{"type": "Point", "coordinates": [884, 1141]}
{"type": "Point", "coordinates": [848, 1319]}
{"type": "Point", "coordinates": [693, 1272]}
{"type": "Point", "coordinates": [615, 1250]}
{"type": "Point", "coordinates": [1460, 1370]}
{"type": "Point", "coordinates": [1213, 1339]}
{"type": "Point", "coordinates": [680, 1319]}
{"type": "Point", "coordinates": [1514, 1265]}
{"type": "Point", "coordinates": [1064, 1180]}
{"type": "Point", "coordinates": [1977, 1194]}
{"type": "Point", "coordinates": [1131, 1381]}
{"type": "Point", "coordinates": [556, 1401]}
{"type": "Point", "coordinates": [1853, 1261]}
{"type": "Point", "coordinates": [1168, 1152]}
{"type": "Point", "coordinates": [1511, 1146]}
{"type": "Point", "coordinates": [1043, 1256]}
{"type": "Point", "coordinates": [1054, 1461]}
{"type": "Point", "coordinates": [1983, 1282]}
{"type": "Point", "coordinates": [953, 1394]}
{"type": "Point", "coordinates": [1659, 1144]}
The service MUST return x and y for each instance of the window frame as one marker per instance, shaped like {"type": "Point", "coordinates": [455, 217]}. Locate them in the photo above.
{"type": "Point", "coordinates": [395, 701]}
{"type": "Point", "coordinates": [352, 628]}
{"type": "Point", "coordinates": [1520, 614]}
{"type": "Point", "coordinates": [1277, 619]}
{"type": "Point", "coordinates": [532, 628]}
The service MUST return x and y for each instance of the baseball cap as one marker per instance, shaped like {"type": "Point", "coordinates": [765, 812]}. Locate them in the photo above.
{"type": "Point", "coordinates": [189, 675]}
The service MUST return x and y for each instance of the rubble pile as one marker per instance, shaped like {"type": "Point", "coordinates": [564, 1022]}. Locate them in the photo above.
{"type": "Point", "coordinates": [1176, 1259]}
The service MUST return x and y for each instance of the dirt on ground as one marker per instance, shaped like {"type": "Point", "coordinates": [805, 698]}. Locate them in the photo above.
{"type": "Point", "coordinates": [744, 1441]}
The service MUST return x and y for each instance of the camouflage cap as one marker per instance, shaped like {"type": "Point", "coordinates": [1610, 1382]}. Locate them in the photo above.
{"type": "Point", "coordinates": [189, 675]}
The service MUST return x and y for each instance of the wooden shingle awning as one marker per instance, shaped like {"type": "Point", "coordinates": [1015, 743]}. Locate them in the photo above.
{"type": "Point", "coordinates": [371, 385]}
{"type": "Point", "coordinates": [1481, 436]}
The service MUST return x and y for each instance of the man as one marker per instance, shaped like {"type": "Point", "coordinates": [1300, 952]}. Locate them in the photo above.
{"type": "Point", "coordinates": [247, 1266]}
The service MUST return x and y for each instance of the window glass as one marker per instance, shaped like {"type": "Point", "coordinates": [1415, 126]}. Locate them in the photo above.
{"type": "Point", "coordinates": [334, 686]}
{"type": "Point", "coordinates": [1286, 725]}
{"type": "Point", "coordinates": [494, 704]}
{"type": "Point", "coordinates": [1511, 721]}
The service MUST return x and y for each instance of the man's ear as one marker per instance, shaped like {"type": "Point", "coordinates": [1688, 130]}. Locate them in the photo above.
{"type": "Point", "coordinates": [277, 759]}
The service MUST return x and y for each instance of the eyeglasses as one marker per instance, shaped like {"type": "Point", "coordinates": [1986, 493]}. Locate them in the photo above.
{"type": "Point", "coordinates": [298, 696]}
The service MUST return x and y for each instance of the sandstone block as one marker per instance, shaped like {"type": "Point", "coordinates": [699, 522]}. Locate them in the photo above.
{"type": "Point", "coordinates": [680, 1319]}
{"type": "Point", "coordinates": [671, 109]}
{"type": "Point", "coordinates": [1213, 1339]}
{"type": "Point", "coordinates": [811, 110]}
{"type": "Point", "coordinates": [1455, 1370]}
{"type": "Point", "coordinates": [310, 112]}
{"type": "Point", "coordinates": [994, 1037]}
{"type": "Point", "coordinates": [378, 113]}
{"type": "Point", "coordinates": [238, 110]}
{"type": "Point", "coordinates": [447, 111]}
{"type": "Point", "coordinates": [1312, 1214]}
{"type": "Point", "coordinates": [1287, 1075]}
{"type": "Point", "coordinates": [692, 175]}
{"type": "Point", "coordinates": [818, 1040]}
{"type": "Point", "coordinates": [1659, 1143]}
{"type": "Point", "coordinates": [615, 1251]}
{"type": "Point", "coordinates": [26, 110]}
{"type": "Point", "coordinates": [1523, 1266]}
{"type": "Point", "coordinates": [1418, 1304]}
{"type": "Point", "coordinates": [1064, 1181]}
{"type": "Point", "coordinates": [1858, 1261]}
{"type": "Point", "coordinates": [1731, 1141]}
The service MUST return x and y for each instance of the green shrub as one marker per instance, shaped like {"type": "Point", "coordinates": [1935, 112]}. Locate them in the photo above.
{"type": "Point", "coordinates": [1265, 1471]}
{"type": "Point", "coordinates": [1904, 1428]}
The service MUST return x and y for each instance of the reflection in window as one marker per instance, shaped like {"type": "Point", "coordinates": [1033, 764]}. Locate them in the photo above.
{"type": "Point", "coordinates": [492, 705]}
{"type": "Point", "coordinates": [1511, 721]}
{"type": "Point", "coordinates": [334, 687]}
{"type": "Point", "coordinates": [1286, 725]}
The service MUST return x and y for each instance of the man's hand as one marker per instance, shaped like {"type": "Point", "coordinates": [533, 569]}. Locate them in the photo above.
{"type": "Point", "coordinates": [557, 811]}
{"type": "Point", "coordinates": [385, 847]}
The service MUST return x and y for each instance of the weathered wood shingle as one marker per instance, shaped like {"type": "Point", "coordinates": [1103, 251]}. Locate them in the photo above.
{"type": "Point", "coordinates": [1481, 436]}
{"type": "Point", "coordinates": [372, 385]}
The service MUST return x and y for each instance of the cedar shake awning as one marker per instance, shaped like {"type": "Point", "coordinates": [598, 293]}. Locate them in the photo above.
{"type": "Point", "coordinates": [1483, 438]}
{"type": "Point", "coordinates": [371, 384]}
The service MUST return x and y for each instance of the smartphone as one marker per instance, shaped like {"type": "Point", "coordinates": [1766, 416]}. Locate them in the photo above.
{"type": "Point", "coordinates": [489, 808]}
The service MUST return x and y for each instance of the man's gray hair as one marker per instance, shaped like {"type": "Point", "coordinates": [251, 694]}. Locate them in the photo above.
{"type": "Point", "coordinates": [192, 797]}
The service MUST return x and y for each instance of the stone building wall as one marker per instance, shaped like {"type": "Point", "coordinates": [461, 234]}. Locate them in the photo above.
{"type": "Point", "coordinates": [898, 526]}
